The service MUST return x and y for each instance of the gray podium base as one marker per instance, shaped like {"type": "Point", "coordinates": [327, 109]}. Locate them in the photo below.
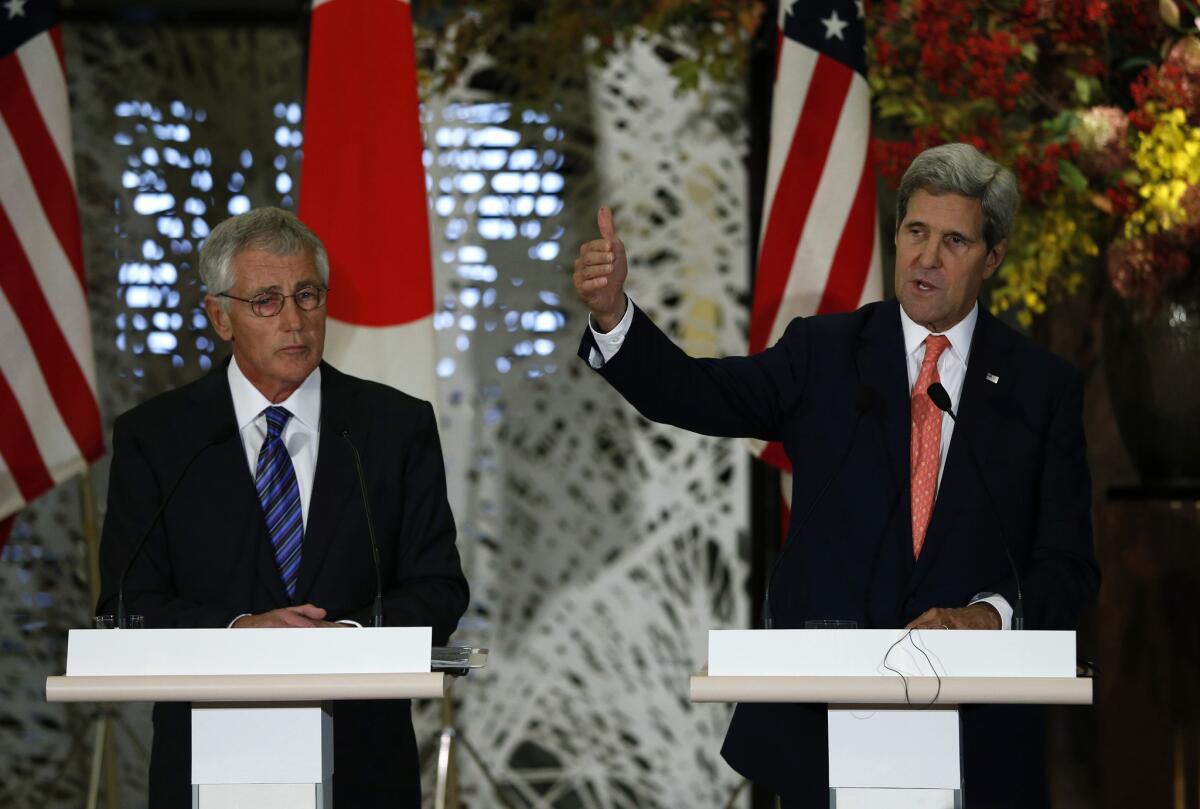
{"type": "Point", "coordinates": [856, 798]}
{"type": "Point", "coordinates": [260, 796]}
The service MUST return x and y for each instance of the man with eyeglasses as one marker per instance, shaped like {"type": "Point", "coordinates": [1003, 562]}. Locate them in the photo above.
{"type": "Point", "coordinates": [269, 530]}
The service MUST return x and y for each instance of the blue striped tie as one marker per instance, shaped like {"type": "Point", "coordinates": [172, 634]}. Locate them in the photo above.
{"type": "Point", "coordinates": [279, 493]}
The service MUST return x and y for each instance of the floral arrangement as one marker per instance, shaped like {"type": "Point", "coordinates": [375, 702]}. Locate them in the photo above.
{"type": "Point", "coordinates": [1095, 104]}
{"type": "Point", "coordinates": [533, 47]}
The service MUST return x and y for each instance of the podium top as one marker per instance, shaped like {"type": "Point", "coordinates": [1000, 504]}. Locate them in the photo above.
{"type": "Point", "coordinates": [882, 667]}
{"type": "Point", "coordinates": [862, 653]}
{"type": "Point", "coordinates": [158, 652]}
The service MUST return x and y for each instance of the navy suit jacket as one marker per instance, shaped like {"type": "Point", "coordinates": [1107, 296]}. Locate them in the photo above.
{"type": "Point", "coordinates": [836, 386]}
{"type": "Point", "coordinates": [210, 559]}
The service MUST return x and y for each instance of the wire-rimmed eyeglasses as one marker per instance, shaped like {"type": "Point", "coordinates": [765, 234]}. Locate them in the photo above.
{"type": "Point", "coordinates": [269, 304]}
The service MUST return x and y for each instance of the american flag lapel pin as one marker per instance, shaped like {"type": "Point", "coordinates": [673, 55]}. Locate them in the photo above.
{"type": "Point", "coordinates": [993, 378]}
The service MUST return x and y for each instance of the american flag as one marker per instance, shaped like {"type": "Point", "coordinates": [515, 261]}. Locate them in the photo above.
{"type": "Point", "coordinates": [362, 189]}
{"type": "Point", "coordinates": [819, 250]}
{"type": "Point", "coordinates": [49, 418]}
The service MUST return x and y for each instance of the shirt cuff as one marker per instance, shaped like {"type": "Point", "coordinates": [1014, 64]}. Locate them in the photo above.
{"type": "Point", "coordinates": [235, 620]}
{"type": "Point", "coordinates": [349, 622]}
{"type": "Point", "coordinates": [609, 343]}
{"type": "Point", "coordinates": [1000, 603]}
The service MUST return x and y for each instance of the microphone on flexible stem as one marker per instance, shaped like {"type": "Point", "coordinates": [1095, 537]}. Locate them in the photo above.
{"type": "Point", "coordinates": [942, 399]}
{"type": "Point", "coordinates": [866, 401]}
{"type": "Point", "coordinates": [377, 619]}
{"type": "Point", "coordinates": [222, 435]}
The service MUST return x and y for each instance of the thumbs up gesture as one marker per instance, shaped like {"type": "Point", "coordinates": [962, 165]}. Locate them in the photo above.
{"type": "Point", "coordinates": [600, 273]}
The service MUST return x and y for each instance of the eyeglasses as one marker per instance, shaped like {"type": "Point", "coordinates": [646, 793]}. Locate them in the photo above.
{"type": "Point", "coordinates": [269, 304]}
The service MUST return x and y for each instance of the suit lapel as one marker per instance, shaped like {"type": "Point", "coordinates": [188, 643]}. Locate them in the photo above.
{"type": "Point", "coordinates": [882, 370]}
{"type": "Point", "coordinates": [234, 491]}
{"type": "Point", "coordinates": [880, 358]}
{"type": "Point", "coordinates": [335, 483]}
{"type": "Point", "coordinates": [990, 349]}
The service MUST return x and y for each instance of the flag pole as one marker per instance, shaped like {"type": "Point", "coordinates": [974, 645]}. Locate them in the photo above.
{"type": "Point", "coordinates": [104, 757]}
{"type": "Point", "coordinates": [91, 535]}
{"type": "Point", "coordinates": [446, 794]}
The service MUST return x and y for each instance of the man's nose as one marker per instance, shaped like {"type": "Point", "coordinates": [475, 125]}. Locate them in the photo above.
{"type": "Point", "coordinates": [290, 316]}
{"type": "Point", "coordinates": [931, 253]}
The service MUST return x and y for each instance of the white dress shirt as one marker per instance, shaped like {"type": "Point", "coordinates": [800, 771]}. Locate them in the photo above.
{"type": "Point", "coordinates": [301, 434]}
{"type": "Point", "coordinates": [952, 370]}
{"type": "Point", "coordinates": [610, 342]}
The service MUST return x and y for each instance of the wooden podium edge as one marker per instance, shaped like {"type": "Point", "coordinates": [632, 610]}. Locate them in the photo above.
{"type": "Point", "coordinates": [890, 690]}
{"type": "Point", "coordinates": [246, 687]}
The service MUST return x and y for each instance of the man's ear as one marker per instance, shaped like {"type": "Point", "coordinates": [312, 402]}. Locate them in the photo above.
{"type": "Point", "coordinates": [995, 258]}
{"type": "Point", "coordinates": [218, 317]}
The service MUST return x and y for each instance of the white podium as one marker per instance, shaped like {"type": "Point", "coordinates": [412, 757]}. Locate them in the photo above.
{"type": "Point", "coordinates": [894, 736]}
{"type": "Point", "coordinates": [262, 734]}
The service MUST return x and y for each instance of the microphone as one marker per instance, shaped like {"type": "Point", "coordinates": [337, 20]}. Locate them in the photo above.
{"type": "Point", "coordinates": [377, 620]}
{"type": "Point", "coordinates": [942, 400]}
{"type": "Point", "coordinates": [222, 434]}
{"type": "Point", "coordinates": [867, 399]}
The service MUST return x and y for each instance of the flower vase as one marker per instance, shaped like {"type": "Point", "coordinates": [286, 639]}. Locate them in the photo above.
{"type": "Point", "coordinates": [1152, 363]}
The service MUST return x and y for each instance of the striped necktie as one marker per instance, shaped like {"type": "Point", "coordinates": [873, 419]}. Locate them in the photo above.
{"type": "Point", "coordinates": [279, 493]}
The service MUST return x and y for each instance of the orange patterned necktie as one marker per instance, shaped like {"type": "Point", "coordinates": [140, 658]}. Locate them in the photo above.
{"type": "Point", "coordinates": [926, 443]}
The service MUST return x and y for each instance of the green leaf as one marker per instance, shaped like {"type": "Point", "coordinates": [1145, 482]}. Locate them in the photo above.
{"type": "Point", "coordinates": [1083, 89]}
{"type": "Point", "coordinates": [1061, 124]}
{"type": "Point", "coordinates": [1071, 176]}
{"type": "Point", "coordinates": [1029, 51]}
{"type": "Point", "coordinates": [687, 74]}
{"type": "Point", "coordinates": [890, 107]}
{"type": "Point", "coordinates": [1135, 61]}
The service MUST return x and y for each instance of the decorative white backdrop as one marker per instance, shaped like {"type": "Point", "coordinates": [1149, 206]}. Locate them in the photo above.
{"type": "Point", "coordinates": [600, 546]}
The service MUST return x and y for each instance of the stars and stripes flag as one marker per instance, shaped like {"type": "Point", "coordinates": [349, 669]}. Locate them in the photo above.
{"type": "Point", "coordinates": [819, 249]}
{"type": "Point", "coordinates": [362, 189]}
{"type": "Point", "coordinates": [49, 417]}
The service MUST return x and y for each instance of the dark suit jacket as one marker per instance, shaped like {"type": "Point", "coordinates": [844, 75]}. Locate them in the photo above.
{"type": "Point", "coordinates": [851, 557]}
{"type": "Point", "coordinates": [210, 559]}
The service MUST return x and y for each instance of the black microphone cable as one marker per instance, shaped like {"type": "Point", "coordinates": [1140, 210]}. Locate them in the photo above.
{"type": "Point", "coordinates": [942, 400]}
{"type": "Point", "coordinates": [377, 614]}
{"type": "Point", "coordinates": [221, 435]}
{"type": "Point", "coordinates": [908, 636]}
{"type": "Point", "coordinates": [883, 538]}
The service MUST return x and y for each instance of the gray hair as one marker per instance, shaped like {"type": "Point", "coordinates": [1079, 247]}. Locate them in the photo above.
{"type": "Point", "coordinates": [960, 168]}
{"type": "Point", "coordinates": [272, 229]}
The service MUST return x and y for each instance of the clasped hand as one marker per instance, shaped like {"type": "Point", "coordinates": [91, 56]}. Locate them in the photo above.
{"type": "Point", "coordinates": [303, 615]}
{"type": "Point", "coordinates": [980, 615]}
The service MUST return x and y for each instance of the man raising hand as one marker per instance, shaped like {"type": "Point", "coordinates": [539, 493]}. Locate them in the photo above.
{"type": "Point", "coordinates": [898, 523]}
{"type": "Point", "coordinates": [600, 273]}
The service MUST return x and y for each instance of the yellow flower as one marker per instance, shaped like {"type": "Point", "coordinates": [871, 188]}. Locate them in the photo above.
{"type": "Point", "coordinates": [1045, 252]}
{"type": "Point", "coordinates": [1168, 159]}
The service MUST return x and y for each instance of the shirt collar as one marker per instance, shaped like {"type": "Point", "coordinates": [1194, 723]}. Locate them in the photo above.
{"type": "Point", "coordinates": [248, 402]}
{"type": "Point", "coordinates": [959, 334]}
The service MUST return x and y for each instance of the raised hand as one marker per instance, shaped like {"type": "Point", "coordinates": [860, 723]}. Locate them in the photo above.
{"type": "Point", "coordinates": [600, 273]}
